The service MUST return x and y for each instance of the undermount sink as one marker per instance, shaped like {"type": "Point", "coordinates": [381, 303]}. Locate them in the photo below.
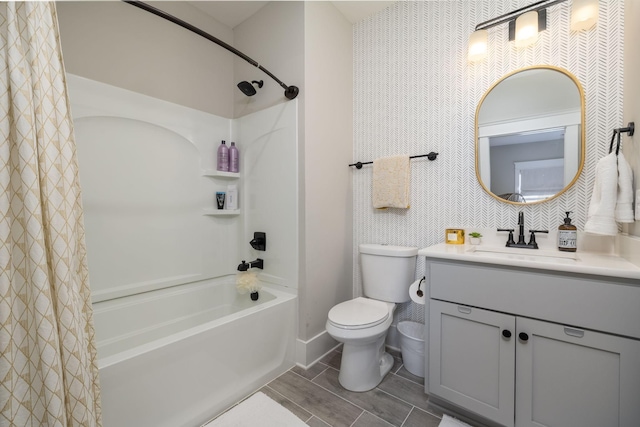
{"type": "Point", "coordinates": [529, 254]}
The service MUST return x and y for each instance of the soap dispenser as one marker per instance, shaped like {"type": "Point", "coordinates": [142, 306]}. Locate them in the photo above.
{"type": "Point", "coordinates": [567, 236]}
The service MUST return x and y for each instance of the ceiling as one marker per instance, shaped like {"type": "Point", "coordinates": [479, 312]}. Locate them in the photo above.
{"type": "Point", "coordinates": [233, 12]}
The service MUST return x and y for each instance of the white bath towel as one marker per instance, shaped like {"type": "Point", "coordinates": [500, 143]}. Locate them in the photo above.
{"type": "Point", "coordinates": [257, 411]}
{"type": "Point", "coordinates": [624, 201]}
{"type": "Point", "coordinates": [391, 177]}
{"type": "Point", "coordinates": [448, 421]}
{"type": "Point", "coordinates": [601, 215]}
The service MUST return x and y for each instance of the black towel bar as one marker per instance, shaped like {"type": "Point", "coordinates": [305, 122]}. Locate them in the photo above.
{"type": "Point", "coordinates": [629, 130]}
{"type": "Point", "coordinates": [431, 156]}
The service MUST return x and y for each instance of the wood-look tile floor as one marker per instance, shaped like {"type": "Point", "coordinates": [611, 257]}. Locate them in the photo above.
{"type": "Point", "coordinates": [316, 397]}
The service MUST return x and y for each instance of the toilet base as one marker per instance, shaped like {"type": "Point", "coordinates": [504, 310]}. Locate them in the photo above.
{"type": "Point", "coordinates": [362, 367]}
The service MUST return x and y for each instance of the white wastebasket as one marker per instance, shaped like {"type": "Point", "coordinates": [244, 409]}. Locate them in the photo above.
{"type": "Point", "coordinates": [412, 346]}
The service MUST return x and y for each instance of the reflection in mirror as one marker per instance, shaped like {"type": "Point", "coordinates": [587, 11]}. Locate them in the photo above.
{"type": "Point", "coordinates": [530, 135]}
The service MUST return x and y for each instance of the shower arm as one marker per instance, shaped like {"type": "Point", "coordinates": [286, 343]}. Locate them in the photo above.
{"type": "Point", "coordinates": [290, 92]}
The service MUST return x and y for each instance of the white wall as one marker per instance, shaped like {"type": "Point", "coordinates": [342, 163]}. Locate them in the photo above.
{"type": "Point", "coordinates": [274, 37]}
{"type": "Point", "coordinates": [631, 146]}
{"type": "Point", "coordinates": [416, 92]}
{"type": "Point", "coordinates": [292, 40]}
{"type": "Point", "coordinates": [119, 44]}
{"type": "Point", "coordinates": [328, 151]}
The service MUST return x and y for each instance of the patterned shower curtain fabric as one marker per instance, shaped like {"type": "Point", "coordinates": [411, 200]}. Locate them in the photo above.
{"type": "Point", "coordinates": [48, 359]}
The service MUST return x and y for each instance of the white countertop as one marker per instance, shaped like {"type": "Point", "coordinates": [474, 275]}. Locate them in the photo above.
{"type": "Point", "coordinates": [572, 262]}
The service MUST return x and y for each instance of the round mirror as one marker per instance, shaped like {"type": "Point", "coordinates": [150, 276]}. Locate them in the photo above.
{"type": "Point", "coordinates": [530, 135]}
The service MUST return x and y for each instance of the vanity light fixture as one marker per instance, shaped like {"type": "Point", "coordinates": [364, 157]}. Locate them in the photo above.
{"type": "Point", "coordinates": [527, 29]}
{"type": "Point", "coordinates": [525, 24]}
{"type": "Point", "coordinates": [478, 45]}
{"type": "Point", "coordinates": [584, 14]}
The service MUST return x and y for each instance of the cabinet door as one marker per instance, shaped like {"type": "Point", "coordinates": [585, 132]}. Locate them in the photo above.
{"type": "Point", "coordinates": [471, 362]}
{"type": "Point", "coordinates": [568, 377]}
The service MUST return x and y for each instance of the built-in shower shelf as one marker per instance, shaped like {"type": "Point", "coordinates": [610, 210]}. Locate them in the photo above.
{"type": "Point", "coordinates": [220, 174]}
{"type": "Point", "coordinates": [220, 212]}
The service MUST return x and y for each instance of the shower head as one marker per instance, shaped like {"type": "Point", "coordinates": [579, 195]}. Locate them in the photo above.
{"type": "Point", "coordinates": [248, 89]}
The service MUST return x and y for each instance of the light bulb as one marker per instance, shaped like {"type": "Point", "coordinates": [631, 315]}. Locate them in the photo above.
{"type": "Point", "coordinates": [584, 14]}
{"type": "Point", "coordinates": [527, 29]}
{"type": "Point", "coordinates": [478, 45]}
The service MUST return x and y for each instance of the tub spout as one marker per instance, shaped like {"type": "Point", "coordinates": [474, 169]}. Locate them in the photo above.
{"type": "Point", "coordinates": [244, 266]}
{"type": "Point", "coordinates": [258, 263]}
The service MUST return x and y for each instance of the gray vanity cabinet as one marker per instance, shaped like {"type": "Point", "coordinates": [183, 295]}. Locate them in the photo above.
{"type": "Point", "coordinates": [491, 355]}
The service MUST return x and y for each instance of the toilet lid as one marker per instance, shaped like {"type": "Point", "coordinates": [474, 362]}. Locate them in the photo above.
{"type": "Point", "coordinates": [359, 313]}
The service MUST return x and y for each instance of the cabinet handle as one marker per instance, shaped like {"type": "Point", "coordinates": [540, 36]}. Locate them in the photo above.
{"type": "Point", "coordinates": [574, 332]}
{"type": "Point", "coordinates": [506, 333]}
{"type": "Point", "coordinates": [523, 336]}
{"type": "Point", "coordinates": [463, 309]}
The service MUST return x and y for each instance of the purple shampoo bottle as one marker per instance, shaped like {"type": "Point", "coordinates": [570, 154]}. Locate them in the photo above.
{"type": "Point", "coordinates": [223, 157]}
{"type": "Point", "coordinates": [234, 158]}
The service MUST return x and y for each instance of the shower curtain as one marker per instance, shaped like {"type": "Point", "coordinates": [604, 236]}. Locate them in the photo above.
{"type": "Point", "coordinates": [48, 363]}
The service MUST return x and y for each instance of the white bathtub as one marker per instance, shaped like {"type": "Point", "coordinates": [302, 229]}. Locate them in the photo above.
{"type": "Point", "coordinates": [179, 356]}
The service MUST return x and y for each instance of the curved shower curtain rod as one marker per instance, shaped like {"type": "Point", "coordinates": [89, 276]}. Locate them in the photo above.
{"type": "Point", "coordinates": [290, 92]}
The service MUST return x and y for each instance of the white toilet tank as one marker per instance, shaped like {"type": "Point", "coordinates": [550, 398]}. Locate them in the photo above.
{"type": "Point", "coordinates": [387, 271]}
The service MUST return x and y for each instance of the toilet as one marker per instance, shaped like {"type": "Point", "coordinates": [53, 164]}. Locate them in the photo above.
{"type": "Point", "coordinates": [361, 324]}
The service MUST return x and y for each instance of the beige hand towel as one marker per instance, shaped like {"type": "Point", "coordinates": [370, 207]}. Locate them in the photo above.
{"type": "Point", "coordinates": [391, 177]}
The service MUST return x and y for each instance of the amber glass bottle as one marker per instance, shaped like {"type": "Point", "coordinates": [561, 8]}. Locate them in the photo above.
{"type": "Point", "coordinates": [567, 236]}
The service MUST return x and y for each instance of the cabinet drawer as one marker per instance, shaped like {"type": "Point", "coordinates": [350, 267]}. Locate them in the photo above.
{"type": "Point", "coordinates": [579, 300]}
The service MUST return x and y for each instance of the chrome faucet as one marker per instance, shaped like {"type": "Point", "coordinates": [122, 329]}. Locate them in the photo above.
{"type": "Point", "coordinates": [521, 242]}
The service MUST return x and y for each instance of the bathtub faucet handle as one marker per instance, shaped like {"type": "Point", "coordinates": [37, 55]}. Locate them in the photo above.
{"type": "Point", "coordinates": [244, 266]}
{"type": "Point", "coordinates": [259, 242]}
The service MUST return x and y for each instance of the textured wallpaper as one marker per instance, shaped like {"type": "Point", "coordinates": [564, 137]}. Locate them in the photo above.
{"type": "Point", "coordinates": [415, 92]}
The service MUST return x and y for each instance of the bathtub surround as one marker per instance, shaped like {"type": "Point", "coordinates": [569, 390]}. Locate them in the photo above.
{"type": "Point", "coordinates": [141, 166]}
{"type": "Point", "coordinates": [48, 360]}
{"type": "Point", "coordinates": [415, 88]}
{"type": "Point", "coordinates": [126, 137]}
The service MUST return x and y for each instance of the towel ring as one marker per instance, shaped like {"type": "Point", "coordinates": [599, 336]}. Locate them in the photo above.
{"type": "Point", "coordinates": [629, 130]}
{"type": "Point", "coordinates": [615, 132]}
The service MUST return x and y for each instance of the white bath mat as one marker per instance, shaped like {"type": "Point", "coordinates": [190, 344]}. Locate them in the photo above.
{"type": "Point", "coordinates": [257, 411]}
{"type": "Point", "coordinates": [448, 421]}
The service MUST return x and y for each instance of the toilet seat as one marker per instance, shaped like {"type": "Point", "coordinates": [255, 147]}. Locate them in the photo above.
{"type": "Point", "coordinates": [358, 313]}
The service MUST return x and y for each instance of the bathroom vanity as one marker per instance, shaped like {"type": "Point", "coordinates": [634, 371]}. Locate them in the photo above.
{"type": "Point", "coordinates": [534, 338]}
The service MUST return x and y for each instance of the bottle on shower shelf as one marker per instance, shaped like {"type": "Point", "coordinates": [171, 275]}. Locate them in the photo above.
{"type": "Point", "coordinates": [234, 158]}
{"type": "Point", "coordinates": [223, 157]}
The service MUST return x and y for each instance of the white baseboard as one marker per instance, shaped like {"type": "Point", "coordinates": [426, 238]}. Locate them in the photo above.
{"type": "Point", "coordinates": [310, 351]}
